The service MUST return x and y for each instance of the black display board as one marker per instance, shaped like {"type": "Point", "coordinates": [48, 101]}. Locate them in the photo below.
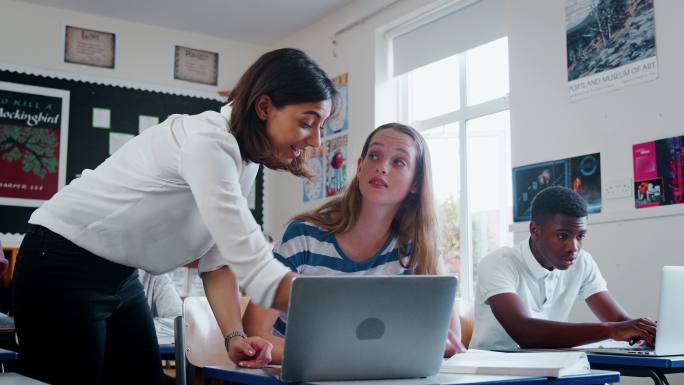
{"type": "Point", "coordinates": [88, 146]}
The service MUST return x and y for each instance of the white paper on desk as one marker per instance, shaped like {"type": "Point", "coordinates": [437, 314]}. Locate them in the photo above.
{"type": "Point", "coordinates": [547, 364]}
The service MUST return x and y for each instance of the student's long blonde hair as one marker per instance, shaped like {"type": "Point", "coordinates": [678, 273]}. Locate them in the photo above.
{"type": "Point", "coordinates": [415, 221]}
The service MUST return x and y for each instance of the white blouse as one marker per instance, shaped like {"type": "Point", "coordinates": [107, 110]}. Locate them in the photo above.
{"type": "Point", "coordinates": [171, 195]}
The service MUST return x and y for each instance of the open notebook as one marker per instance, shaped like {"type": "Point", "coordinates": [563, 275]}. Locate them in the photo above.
{"type": "Point", "coordinates": [547, 364]}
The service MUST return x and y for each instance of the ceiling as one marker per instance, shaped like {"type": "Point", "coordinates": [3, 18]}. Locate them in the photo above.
{"type": "Point", "coordinates": [261, 22]}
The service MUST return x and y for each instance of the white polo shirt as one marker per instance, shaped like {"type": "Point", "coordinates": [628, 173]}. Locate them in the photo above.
{"type": "Point", "coordinates": [547, 295]}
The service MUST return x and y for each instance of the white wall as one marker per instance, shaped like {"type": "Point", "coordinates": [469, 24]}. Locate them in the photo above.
{"type": "Point", "coordinates": [32, 35]}
{"type": "Point", "coordinates": [630, 245]}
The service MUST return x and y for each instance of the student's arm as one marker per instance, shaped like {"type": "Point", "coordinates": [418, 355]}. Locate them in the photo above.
{"type": "Point", "coordinates": [282, 295]}
{"type": "Point", "coordinates": [531, 332]}
{"type": "Point", "coordinates": [604, 306]}
{"type": "Point", "coordinates": [259, 321]}
{"type": "Point", "coordinates": [221, 289]}
{"type": "Point", "coordinates": [607, 309]}
{"type": "Point", "coordinates": [453, 343]}
{"type": "Point", "coordinates": [292, 243]}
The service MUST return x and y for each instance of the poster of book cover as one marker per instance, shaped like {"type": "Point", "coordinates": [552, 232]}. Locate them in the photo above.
{"type": "Point", "coordinates": [659, 172]}
{"type": "Point", "coordinates": [313, 188]}
{"type": "Point", "coordinates": [580, 173]}
{"type": "Point", "coordinates": [336, 165]}
{"type": "Point", "coordinates": [33, 143]}
{"type": "Point", "coordinates": [610, 44]}
{"type": "Point", "coordinates": [340, 121]}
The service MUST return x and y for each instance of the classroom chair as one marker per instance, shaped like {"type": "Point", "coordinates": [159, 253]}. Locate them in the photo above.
{"type": "Point", "coordinates": [198, 340]}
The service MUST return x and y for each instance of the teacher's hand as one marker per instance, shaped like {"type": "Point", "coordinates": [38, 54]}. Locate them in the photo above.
{"type": "Point", "coordinates": [250, 352]}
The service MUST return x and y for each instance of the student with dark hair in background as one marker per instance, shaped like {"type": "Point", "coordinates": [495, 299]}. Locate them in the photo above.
{"type": "Point", "coordinates": [171, 195]}
{"type": "Point", "coordinates": [525, 293]}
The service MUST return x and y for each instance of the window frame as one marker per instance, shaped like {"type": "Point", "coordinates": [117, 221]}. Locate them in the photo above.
{"type": "Point", "coordinates": [462, 116]}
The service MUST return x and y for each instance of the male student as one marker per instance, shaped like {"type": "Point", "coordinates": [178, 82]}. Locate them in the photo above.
{"type": "Point", "coordinates": [525, 293]}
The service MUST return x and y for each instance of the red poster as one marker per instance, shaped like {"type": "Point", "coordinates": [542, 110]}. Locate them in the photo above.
{"type": "Point", "coordinates": [659, 172]}
{"type": "Point", "coordinates": [33, 143]}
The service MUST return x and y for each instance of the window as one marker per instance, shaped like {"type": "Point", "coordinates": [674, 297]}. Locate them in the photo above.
{"type": "Point", "coordinates": [460, 104]}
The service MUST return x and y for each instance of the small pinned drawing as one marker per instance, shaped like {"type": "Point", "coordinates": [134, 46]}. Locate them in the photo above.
{"type": "Point", "coordinates": [340, 121]}
{"type": "Point", "coordinates": [313, 188]}
{"type": "Point", "coordinates": [336, 167]}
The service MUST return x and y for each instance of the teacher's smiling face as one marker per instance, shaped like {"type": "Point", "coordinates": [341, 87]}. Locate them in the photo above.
{"type": "Point", "coordinates": [294, 127]}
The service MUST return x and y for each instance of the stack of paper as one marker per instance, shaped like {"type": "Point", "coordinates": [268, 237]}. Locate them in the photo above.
{"type": "Point", "coordinates": [547, 364]}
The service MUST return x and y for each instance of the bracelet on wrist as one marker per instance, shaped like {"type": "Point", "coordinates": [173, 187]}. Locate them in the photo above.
{"type": "Point", "coordinates": [234, 333]}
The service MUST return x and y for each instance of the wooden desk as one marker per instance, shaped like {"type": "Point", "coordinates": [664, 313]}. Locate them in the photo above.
{"type": "Point", "coordinates": [639, 366]}
{"type": "Point", "coordinates": [269, 376]}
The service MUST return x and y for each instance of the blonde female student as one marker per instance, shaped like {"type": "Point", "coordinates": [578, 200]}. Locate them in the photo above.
{"type": "Point", "coordinates": [173, 194]}
{"type": "Point", "coordinates": [382, 224]}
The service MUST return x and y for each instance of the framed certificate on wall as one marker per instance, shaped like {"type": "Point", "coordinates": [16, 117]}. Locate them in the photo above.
{"type": "Point", "coordinates": [196, 65]}
{"type": "Point", "coordinates": [89, 47]}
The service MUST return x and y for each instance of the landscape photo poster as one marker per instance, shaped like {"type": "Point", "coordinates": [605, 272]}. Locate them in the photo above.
{"type": "Point", "coordinates": [34, 125]}
{"type": "Point", "coordinates": [336, 164]}
{"type": "Point", "coordinates": [580, 173]}
{"type": "Point", "coordinates": [659, 172]}
{"type": "Point", "coordinates": [610, 44]}
{"type": "Point", "coordinates": [340, 121]}
{"type": "Point", "coordinates": [313, 188]}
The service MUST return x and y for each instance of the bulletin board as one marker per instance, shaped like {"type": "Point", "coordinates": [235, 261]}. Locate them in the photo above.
{"type": "Point", "coordinates": [89, 146]}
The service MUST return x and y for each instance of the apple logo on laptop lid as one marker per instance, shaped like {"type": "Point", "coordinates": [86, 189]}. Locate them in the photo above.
{"type": "Point", "coordinates": [370, 329]}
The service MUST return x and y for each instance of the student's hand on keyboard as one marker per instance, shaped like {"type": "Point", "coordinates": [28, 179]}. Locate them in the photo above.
{"type": "Point", "coordinates": [453, 345]}
{"type": "Point", "coordinates": [634, 330]}
{"type": "Point", "coordinates": [250, 352]}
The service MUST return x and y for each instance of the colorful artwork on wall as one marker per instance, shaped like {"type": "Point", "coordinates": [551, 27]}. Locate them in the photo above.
{"type": "Point", "coordinates": [313, 188]}
{"type": "Point", "coordinates": [610, 44]}
{"type": "Point", "coordinates": [580, 173]}
{"type": "Point", "coordinates": [336, 164]}
{"type": "Point", "coordinates": [659, 172]}
{"type": "Point", "coordinates": [340, 122]}
{"type": "Point", "coordinates": [33, 143]}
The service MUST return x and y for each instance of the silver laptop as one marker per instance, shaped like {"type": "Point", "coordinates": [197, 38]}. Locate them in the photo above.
{"type": "Point", "coordinates": [366, 327]}
{"type": "Point", "coordinates": [670, 333]}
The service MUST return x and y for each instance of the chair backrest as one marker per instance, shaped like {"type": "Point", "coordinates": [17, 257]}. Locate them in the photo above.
{"type": "Point", "coordinates": [466, 315]}
{"type": "Point", "coordinates": [203, 339]}
{"type": "Point", "coordinates": [198, 339]}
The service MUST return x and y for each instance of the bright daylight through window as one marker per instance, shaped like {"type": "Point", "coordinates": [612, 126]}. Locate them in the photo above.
{"type": "Point", "coordinates": [460, 104]}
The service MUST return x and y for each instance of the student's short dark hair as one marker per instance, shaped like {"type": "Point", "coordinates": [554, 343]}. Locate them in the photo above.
{"type": "Point", "coordinates": [557, 200]}
{"type": "Point", "coordinates": [288, 76]}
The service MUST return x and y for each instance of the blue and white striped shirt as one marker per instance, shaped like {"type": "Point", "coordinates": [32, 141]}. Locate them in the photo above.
{"type": "Point", "coordinates": [310, 250]}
